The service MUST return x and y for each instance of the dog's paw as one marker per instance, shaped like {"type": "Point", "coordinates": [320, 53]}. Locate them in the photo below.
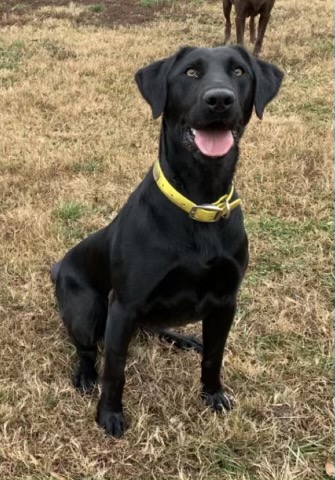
{"type": "Point", "coordinates": [85, 379]}
{"type": "Point", "coordinates": [218, 401]}
{"type": "Point", "coordinates": [112, 422]}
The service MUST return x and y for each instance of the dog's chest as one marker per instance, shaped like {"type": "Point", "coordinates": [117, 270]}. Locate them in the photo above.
{"type": "Point", "coordinates": [190, 291]}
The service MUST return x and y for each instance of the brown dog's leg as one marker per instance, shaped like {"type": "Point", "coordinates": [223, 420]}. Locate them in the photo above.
{"type": "Point", "coordinates": [226, 12]}
{"type": "Point", "coordinates": [262, 24]}
{"type": "Point", "coordinates": [252, 30]}
{"type": "Point", "coordinates": [240, 27]}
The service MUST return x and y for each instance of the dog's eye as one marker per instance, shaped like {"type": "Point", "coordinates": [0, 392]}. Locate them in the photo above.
{"type": "Point", "coordinates": [192, 72]}
{"type": "Point", "coordinates": [238, 72]}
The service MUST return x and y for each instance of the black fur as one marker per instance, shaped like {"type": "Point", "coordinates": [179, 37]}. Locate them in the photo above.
{"type": "Point", "coordinates": [153, 266]}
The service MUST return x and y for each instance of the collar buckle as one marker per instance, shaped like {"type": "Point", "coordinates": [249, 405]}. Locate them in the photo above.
{"type": "Point", "coordinates": [208, 208]}
{"type": "Point", "coordinates": [226, 215]}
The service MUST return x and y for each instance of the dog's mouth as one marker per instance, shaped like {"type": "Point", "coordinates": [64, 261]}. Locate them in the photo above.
{"type": "Point", "coordinates": [214, 141]}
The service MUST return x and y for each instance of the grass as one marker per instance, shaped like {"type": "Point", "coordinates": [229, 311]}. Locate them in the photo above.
{"type": "Point", "coordinates": [57, 50]}
{"type": "Point", "coordinates": [72, 149]}
{"type": "Point", "coordinates": [69, 211]}
{"type": "Point", "coordinates": [20, 6]}
{"type": "Point", "coordinates": [89, 166]}
{"type": "Point", "coordinates": [150, 3]}
{"type": "Point", "coordinates": [10, 56]}
{"type": "Point", "coordinates": [97, 8]}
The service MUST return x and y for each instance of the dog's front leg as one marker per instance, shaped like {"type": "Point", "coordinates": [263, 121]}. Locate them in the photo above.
{"type": "Point", "coordinates": [215, 330]}
{"type": "Point", "coordinates": [119, 329]}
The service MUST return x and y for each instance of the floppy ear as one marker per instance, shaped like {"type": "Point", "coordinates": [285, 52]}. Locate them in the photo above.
{"type": "Point", "coordinates": [152, 82]}
{"type": "Point", "coordinates": [268, 79]}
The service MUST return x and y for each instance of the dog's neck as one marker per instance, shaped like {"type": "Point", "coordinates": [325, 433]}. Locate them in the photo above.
{"type": "Point", "coordinates": [200, 181]}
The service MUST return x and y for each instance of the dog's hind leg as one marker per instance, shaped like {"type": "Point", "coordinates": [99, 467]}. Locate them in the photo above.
{"type": "Point", "coordinates": [262, 24]}
{"type": "Point", "coordinates": [227, 5]}
{"type": "Point", "coordinates": [84, 312]}
{"type": "Point", "coordinates": [184, 342]}
{"type": "Point", "coordinates": [252, 29]}
{"type": "Point", "coordinates": [240, 27]}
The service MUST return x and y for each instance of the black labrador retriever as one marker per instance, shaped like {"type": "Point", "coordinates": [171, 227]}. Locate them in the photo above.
{"type": "Point", "coordinates": [177, 251]}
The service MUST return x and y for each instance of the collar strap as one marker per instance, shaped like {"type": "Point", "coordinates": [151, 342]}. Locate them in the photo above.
{"type": "Point", "coordinates": [208, 212]}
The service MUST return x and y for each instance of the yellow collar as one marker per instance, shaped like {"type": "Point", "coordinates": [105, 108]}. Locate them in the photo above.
{"type": "Point", "coordinates": [208, 212]}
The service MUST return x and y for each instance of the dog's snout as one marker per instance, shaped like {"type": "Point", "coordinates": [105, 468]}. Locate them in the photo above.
{"type": "Point", "coordinates": [219, 99]}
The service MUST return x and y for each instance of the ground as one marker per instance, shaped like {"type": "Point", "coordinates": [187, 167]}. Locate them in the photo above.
{"type": "Point", "coordinates": [75, 140]}
{"type": "Point", "coordinates": [104, 13]}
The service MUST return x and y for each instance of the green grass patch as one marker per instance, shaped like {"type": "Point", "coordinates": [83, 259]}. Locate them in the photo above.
{"type": "Point", "coordinates": [20, 7]}
{"type": "Point", "coordinates": [299, 351]}
{"type": "Point", "coordinates": [89, 166]}
{"type": "Point", "coordinates": [68, 226]}
{"type": "Point", "coordinates": [10, 60]}
{"type": "Point", "coordinates": [285, 234]}
{"type": "Point", "coordinates": [320, 110]}
{"type": "Point", "coordinates": [286, 245]}
{"type": "Point", "coordinates": [151, 3]}
{"type": "Point", "coordinates": [69, 212]}
{"type": "Point", "coordinates": [10, 57]}
{"type": "Point", "coordinates": [51, 401]}
{"type": "Point", "coordinates": [323, 45]}
{"type": "Point", "coordinates": [8, 81]}
{"type": "Point", "coordinates": [277, 229]}
{"type": "Point", "coordinates": [271, 342]}
{"type": "Point", "coordinates": [97, 8]}
{"type": "Point", "coordinates": [228, 462]}
{"type": "Point", "coordinates": [311, 355]}
{"type": "Point", "coordinates": [307, 447]}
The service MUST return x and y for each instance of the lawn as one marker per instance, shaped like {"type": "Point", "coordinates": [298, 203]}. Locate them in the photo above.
{"type": "Point", "coordinates": [75, 139]}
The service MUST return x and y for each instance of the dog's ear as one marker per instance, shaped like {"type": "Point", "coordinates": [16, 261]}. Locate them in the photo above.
{"type": "Point", "coordinates": [268, 79]}
{"type": "Point", "coordinates": [152, 81]}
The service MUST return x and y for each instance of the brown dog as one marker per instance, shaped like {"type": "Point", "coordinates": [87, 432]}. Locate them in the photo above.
{"type": "Point", "coordinates": [244, 9]}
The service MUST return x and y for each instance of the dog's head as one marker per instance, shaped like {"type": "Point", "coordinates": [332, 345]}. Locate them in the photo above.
{"type": "Point", "coordinates": [207, 95]}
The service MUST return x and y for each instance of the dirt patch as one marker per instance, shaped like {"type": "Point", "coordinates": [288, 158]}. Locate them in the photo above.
{"type": "Point", "coordinates": [108, 13]}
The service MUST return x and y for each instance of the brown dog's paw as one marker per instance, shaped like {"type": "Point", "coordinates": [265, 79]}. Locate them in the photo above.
{"type": "Point", "coordinates": [218, 401]}
{"type": "Point", "coordinates": [113, 423]}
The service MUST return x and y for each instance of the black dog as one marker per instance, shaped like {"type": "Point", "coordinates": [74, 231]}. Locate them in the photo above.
{"type": "Point", "coordinates": [156, 265]}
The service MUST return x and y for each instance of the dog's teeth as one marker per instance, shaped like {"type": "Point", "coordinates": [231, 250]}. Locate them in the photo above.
{"type": "Point", "coordinates": [193, 130]}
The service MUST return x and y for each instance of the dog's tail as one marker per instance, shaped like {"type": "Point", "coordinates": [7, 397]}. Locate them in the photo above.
{"type": "Point", "coordinates": [184, 342]}
{"type": "Point", "coordinates": [54, 271]}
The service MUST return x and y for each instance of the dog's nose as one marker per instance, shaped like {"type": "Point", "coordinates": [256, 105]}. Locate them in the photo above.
{"type": "Point", "coordinates": [219, 99]}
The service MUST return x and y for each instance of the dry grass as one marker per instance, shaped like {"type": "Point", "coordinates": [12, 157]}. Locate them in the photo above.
{"type": "Point", "coordinates": [75, 139]}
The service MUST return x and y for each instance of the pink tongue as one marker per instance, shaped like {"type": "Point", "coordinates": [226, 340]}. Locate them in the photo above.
{"type": "Point", "coordinates": [215, 143]}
